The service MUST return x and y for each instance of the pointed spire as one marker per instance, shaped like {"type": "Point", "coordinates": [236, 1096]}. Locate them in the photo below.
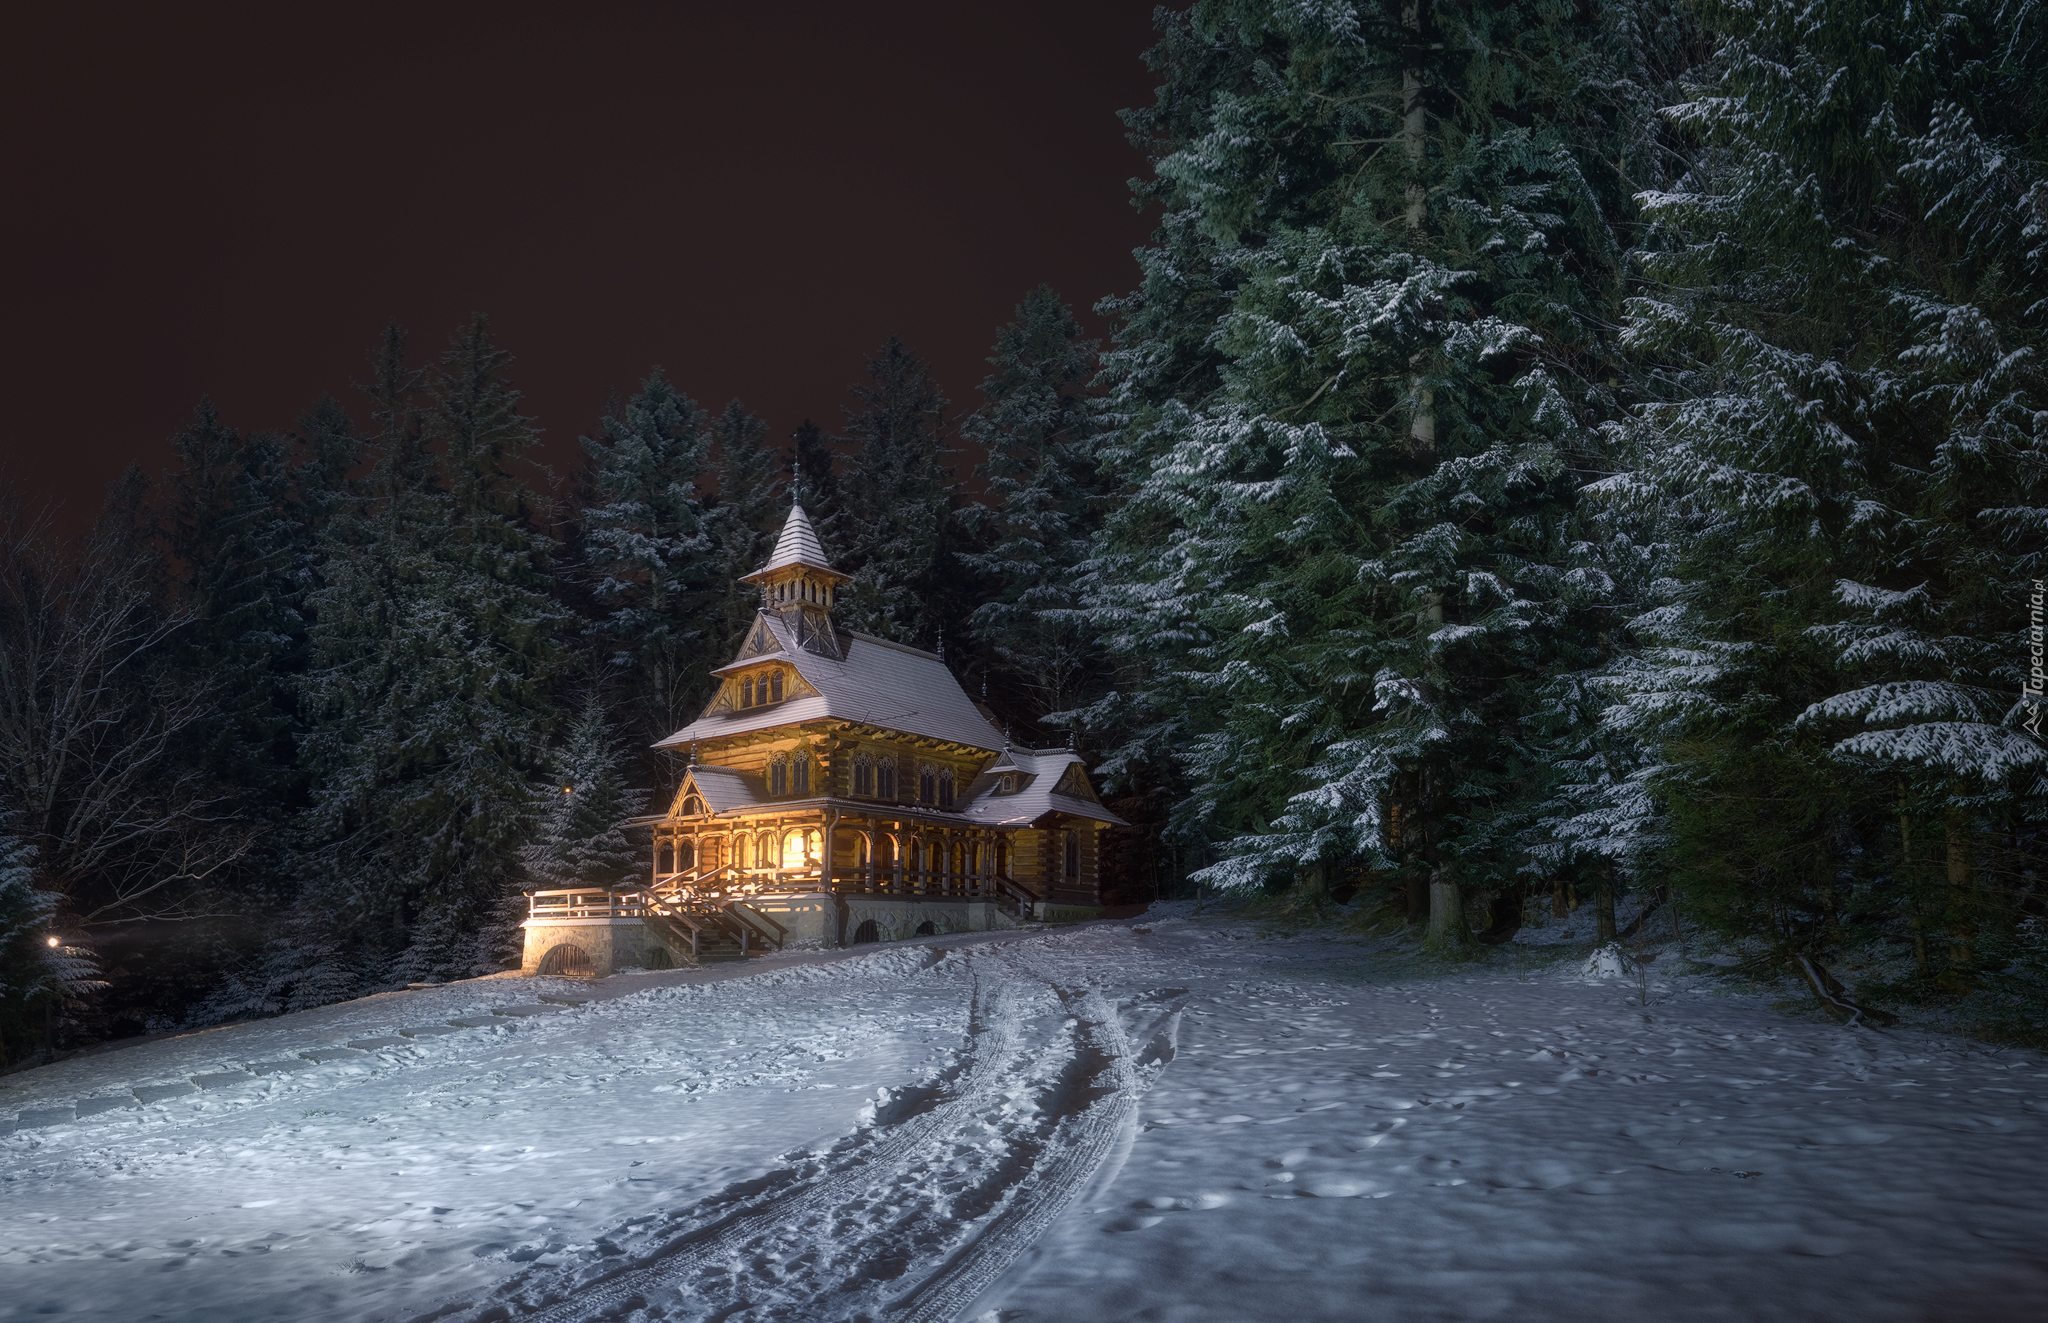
{"type": "Point", "coordinates": [798, 544]}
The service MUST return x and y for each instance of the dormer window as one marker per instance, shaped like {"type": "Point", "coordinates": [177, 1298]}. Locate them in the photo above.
{"type": "Point", "coordinates": [760, 690]}
{"type": "Point", "coordinates": [1006, 784]}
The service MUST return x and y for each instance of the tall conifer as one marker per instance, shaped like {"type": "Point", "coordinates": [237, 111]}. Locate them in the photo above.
{"type": "Point", "coordinates": [896, 534]}
{"type": "Point", "coordinates": [649, 548]}
{"type": "Point", "coordinates": [1038, 430]}
{"type": "Point", "coordinates": [1846, 296]}
{"type": "Point", "coordinates": [1353, 386]}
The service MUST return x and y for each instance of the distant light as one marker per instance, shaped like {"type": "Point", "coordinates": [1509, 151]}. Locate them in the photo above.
{"type": "Point", "coordinates": [51, 940]}
{"type": "Point", "coordinates": [568, 790]}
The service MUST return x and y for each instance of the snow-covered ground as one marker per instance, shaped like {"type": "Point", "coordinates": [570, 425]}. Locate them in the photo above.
{"type": "Point", "coordinates": [1173, 1118]}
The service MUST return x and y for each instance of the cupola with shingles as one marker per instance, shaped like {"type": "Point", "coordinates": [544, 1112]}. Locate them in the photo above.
{"type": "Point", "coordinates": [798, 583]}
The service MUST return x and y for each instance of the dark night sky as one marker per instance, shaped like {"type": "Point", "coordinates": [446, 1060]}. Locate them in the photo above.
{"type": "Point", "coordinates": [232, 199]}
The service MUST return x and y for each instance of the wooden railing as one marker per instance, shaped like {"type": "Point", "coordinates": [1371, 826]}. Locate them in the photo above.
{"type": "Point", "coordinates": [720, 887]}
{"type": "Point", "coordinates": [584, 904]}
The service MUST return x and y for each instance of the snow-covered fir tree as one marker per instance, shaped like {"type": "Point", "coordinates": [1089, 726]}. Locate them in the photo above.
{"type": "Point", "coordinates": [1354, 388]}
{"type": "Point", "coordinates": [437, 649]}
{"type": "Point", "coordinates": [649, 548]}
{"type": "Point", "coordinates": [895, 533]}
{"type": "Point", "coordinates": [752, 503]}
{"type": "Point", "coordinates": [1038, 430]}
{"type": "Point", "coordinates": [40, 972]}
{"type": "Point", "coordinates": [1846, 304]}
{"type": "Point", "coordinates": [814, 476]}
{"type": "Point", "coordinates": [580, 810]}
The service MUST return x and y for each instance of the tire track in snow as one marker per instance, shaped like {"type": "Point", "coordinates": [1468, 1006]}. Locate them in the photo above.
{"type": "Point", "coordinates": [1102, 1130]}
{"type": "Point", "coordinates": [995, 1017]}
{"type": "Point", "coordinates": [840, 1244]}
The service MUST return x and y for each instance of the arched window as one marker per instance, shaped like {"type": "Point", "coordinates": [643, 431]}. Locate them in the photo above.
{"type": "Point", "coordinates": [863, 775]}
{"type": "Point", "coordinates": [743, 855]}
{"type": "Point", "coordinates": [927, 784]}
{"type": "Point", "coordinates": [1073, 854]}
{"type": "Point", "coordinates": [747, 692]}
{"type": "Point", "coordinates": [775, 686]}
{"type": "Point", "coordinates": [693, 807]}
{"type": "Point", "coordinates": [803, 774]}
{"type": "Point", "coordinates": [885, 779]}
{"type": "Point", "coordinates": [778, 776]}
{"type": "Point", "coordinates": [946, 789]}
{"type": "Point", "coordinates": [685, 857]}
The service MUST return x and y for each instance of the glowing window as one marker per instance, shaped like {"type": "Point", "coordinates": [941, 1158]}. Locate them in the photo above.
{"type": "Point", "coordinates": [800, 849]}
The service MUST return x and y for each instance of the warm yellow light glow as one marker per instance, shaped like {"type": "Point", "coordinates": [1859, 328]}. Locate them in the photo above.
{"type": "Point", "coordinates": [568, 790]}
{"type": "Point", "coordinates": [51, 940]}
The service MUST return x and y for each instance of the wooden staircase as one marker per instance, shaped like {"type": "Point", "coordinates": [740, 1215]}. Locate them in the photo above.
{"type": "Point", "coordinates": [705, 932]}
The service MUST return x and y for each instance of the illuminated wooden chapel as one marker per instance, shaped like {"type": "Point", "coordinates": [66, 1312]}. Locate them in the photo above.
{"type": "Point", "coordinates": [818, 735]}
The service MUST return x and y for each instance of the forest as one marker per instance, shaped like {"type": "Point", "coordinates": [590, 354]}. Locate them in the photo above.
{"type": "Point", "coordinates": [1549, 450]}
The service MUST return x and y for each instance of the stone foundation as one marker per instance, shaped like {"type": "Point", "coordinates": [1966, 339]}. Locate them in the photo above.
{"type": "Point", "coordinates": [609, 944]}
{"type": "Point", "coordinates": [812, 922]}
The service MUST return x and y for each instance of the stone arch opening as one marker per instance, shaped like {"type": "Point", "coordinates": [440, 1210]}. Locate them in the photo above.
{"type": "Point", "coordinates": [566, 959]}
{"type": "Point", "coordinates": [926, 929]}
{"type": "Point", "coordinates": [867, 932]}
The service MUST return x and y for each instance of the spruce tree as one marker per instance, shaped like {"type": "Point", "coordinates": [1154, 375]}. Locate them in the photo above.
{"type": "Point", "coordinates": [814, 477]}
{"type": "Point", "coordinates": [233, 530]}
{"type": "Point", "coordinates": [648, 548]}
{"type": "Point", "coordinates": [437, 650]}
{"type": "Point", "coordinates": [752, 503]}
{"type": "Point", "coordinates": [1846, 292]}
{"type": "Point", "coordinates": [1038, 430]}
{"type": "Point", "coordinates": [896, 536]}
{"type": "Point", "coordinates": [579, 838]}
{"type": "Point", "coordinates": [1364, 363]}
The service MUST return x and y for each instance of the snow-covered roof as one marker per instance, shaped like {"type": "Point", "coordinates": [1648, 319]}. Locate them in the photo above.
{"type": "Point", "coordinates": [1048, 781]}
{"type": "Point", "coordinates": [723, 789]}
{"type": "Point", "coordinates": [798, 545]}
{"type": "Point", "coordinates": [877, 683]}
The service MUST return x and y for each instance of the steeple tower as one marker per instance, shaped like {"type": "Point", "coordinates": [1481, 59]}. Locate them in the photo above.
{"type": "Point", "coordinates": [798, 583]}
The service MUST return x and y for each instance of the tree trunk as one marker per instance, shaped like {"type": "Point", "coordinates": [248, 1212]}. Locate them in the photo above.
{"type": "Point", "coordinates": [1910, 878]}
{"type": "Point", "coordinates": [1560, 906]}
{"type": "Point", "coordinates": [1962, 901]}
{"type": "Point", "coordinates": [1447, 928]}
{"type": "Point", "coordinates": [1603, 904]}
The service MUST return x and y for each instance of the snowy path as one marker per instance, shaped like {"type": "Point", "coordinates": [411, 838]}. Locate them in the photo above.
{"type": "Point", "coordinates": [1177, 1124]}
